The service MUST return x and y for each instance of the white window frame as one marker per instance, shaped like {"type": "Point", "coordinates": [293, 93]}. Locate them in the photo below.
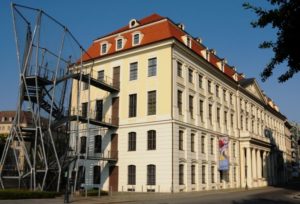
{"type": "Point", "coordinates": [123, 42]}
{"type": "Point", "coordinates": [101, 46]}
{"type": "Point", "coordinates": [140, 38]}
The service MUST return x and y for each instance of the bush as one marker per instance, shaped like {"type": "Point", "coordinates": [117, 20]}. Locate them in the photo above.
{"type": "Point", "coordinates": [13, 194]}
{"type": "Point", "coordinates": [93, 192]}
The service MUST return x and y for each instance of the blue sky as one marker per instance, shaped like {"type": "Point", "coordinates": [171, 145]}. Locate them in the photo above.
{"type": "Point", "coordinates": [222, 25]}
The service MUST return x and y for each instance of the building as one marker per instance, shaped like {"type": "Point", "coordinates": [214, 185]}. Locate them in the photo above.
{"type": "Point", "coordinates": [163, 113]}
{"type": "Point", "coordinates": [6, 123]}
{"type": "Point", "coordinates": [288, 153]}
{"type": "Point", "coordinates": [295, 145]}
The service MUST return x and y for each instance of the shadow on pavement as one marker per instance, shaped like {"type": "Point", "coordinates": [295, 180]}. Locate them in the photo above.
{"type": "Point", "coordinates": [262, 201]}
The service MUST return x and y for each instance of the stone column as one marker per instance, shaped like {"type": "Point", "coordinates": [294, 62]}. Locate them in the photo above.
{"type": "Point", "coordinates": [242, 165]}
{"type": "Point", "coordinates": [254, 167]}
{"type": "Point", "coordinates": [264, 163]}
{"type": "Point", "coordinates": [258, 165]}
{"type": "Point", "coordinates": [249, 167]}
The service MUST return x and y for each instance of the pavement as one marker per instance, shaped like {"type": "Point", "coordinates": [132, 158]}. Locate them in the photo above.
{"type": "Point", "coordinates": [267, 195]}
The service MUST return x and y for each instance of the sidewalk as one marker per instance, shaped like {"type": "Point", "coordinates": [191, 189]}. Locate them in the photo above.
{"type": "Point", "coordinates": [133, 197]}
{"type": "Point", "coordinates": [123, 197]}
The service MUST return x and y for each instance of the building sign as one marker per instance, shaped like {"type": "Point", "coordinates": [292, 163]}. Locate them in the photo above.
{"type": "Point", "coordinates": [223, 153]}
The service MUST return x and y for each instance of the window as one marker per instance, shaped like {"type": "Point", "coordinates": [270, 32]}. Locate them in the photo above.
{"type": "Point", "coordinates": [131, 175]}
{"type": "Point", "coordinates": [179, 69]}
{"type": "Point", "coordinates": [246, 123]}
{"type": "Point", "coordinates": [84, 110]}
{"type": "Point", "coordinates": [203, 144]}
{"type": "Point", "coordinates": [82, 144]}
{"type": "Point", "coordinates": [180, 140]}
{"type": "Point", "coordinates": [217, 91]}
{"type": "Point", "coordinates": [119, 44]}
{"type": "Point", "coordinates": [242, 122]}
{"type": "Point", "coordinates": [225, 119]}
{"type": "Point", "coordinates": [231, 119]}
{"type": "Point", "coordinates": [136, 39]}
{"type": "Point", "coordinates": [201, 111]}
{"type": "Point", "coordinates": [152, 67]}
{"type": "Point", "coordinates": [131, 141]}
{"type": "Point", "coordinates": [179, 102]}
{"type": "Point", "coordinates": [200, 81]}
{"type": "Point", "coordinates": [193, 174]}
{"type": "Point", "coordinates": [151, 174]}
{"type": "Point", "coordinates": [224, 95]}
{"type": "Point", "coordinates": [181, 174]}
{"type": "Point", "coordinates": [211, 145]}
{"type": "Point", "coordinates": [231, 98]}
{"type": "Point", "coordinates": [132, 105]}
{"type": "Point", "coordinates": [221, 175]}
{"type": "Point", "coordinates": [104, 48]}
{"type": "Point", "coordinates": [212, 174]}
{"type": "Point", "coordinates": [133, 71]}
{"type": "Point", "coordinates": [151, 102]}
{"type": "Point", "coordinates": [233, 149]}
{"type": "Point", "coordinates": [96, 175]}
{"type": "Point", "coordinates": [191, 107]}
{"type": "Point", "coordinates": [151, 140]}
{"type": "Point", "coordinates": [218, 116]}
{"type": "Point", "coordinates": [234, 174]}
{"type": "Point", "coordinates": [188, 41]}
{"type": "Point", "coordinates": [209, 86]}
{"type": "Point", "coordinates": [203, 174]}
{"type": "Point", "coordinates": [193, 142]}
{"type": "Point", "coordinates": [252, 125]}
{"type": "Point", "coordinates": [99, 110]}
{"type": "Point", "coordinates": [190, 76]}
{"type": "Point", "coordinates": [210, 113]}
{"type": "Point", "coordinates": [85, 86]}
{"type": "Point", "coordinates": [98, 144]}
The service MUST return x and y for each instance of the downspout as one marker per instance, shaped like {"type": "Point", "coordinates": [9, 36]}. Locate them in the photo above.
{"type": "Point", "coordinates": [172, 181]}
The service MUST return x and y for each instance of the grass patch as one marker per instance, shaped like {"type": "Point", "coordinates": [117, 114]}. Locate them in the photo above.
{"type": "Point", "coordinates": [14, 194]}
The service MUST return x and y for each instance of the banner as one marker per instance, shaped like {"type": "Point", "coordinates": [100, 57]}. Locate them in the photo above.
{"type": "Point", "coordinates": [223, 153]}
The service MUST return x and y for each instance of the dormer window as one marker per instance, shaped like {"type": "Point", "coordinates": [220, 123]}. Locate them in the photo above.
{"type": "Point", "coordinates": [136, 38]}
{"type": "Point", "coordinates": [188, 41]}
{"type": "Point", "coordinates": [133, 23]}
{"type": "Point", "coordinates": [119, 44]}
{"type": "Point", "coordinates": [104, 48]}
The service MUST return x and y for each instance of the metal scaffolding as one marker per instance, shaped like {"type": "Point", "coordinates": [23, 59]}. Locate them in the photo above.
{"type": "Point", "coordinates": [51, 62]}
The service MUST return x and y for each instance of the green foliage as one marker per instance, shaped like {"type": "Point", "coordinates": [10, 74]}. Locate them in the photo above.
{"type": "Point", "coordinates": [14, 194]}
{"type": "Point", "coordinates": [284, 17]}
{"type": "Point", "coordinates": [93, 192]}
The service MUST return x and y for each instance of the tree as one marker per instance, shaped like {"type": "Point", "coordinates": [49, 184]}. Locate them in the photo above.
{"type": "Point", "coordinates": [285, 17]}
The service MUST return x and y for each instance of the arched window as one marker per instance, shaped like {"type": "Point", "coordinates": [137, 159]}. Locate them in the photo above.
{"type": "Point", "coordinates": [97, 175]}
{"type": "Point", "coordinates": [83, 145]}
{"type": "Point", "coordinates": [151, 174]}
{"type": "Point", "coordinates": [151, 140]}
{"type": "Point", "coordinates": [131, 141]}
{"type": "Point", "coordinates": [98, 144]}
{"type": "Point", "coordinates": [131, 174]}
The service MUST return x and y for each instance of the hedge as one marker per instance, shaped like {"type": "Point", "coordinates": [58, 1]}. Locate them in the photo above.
{"type": "Point", "coordinates": [13, 194]}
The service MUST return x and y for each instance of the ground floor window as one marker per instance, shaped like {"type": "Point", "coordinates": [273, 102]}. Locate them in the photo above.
{"type": "Point", "coordinates": [181, 174]}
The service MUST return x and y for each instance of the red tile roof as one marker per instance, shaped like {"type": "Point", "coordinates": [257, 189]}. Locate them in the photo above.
{"type": "Point", "coordinates": [163, 29]}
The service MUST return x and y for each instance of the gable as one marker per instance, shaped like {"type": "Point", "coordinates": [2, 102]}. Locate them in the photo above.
{"type": "Point", "coordinates": [252, 87]}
